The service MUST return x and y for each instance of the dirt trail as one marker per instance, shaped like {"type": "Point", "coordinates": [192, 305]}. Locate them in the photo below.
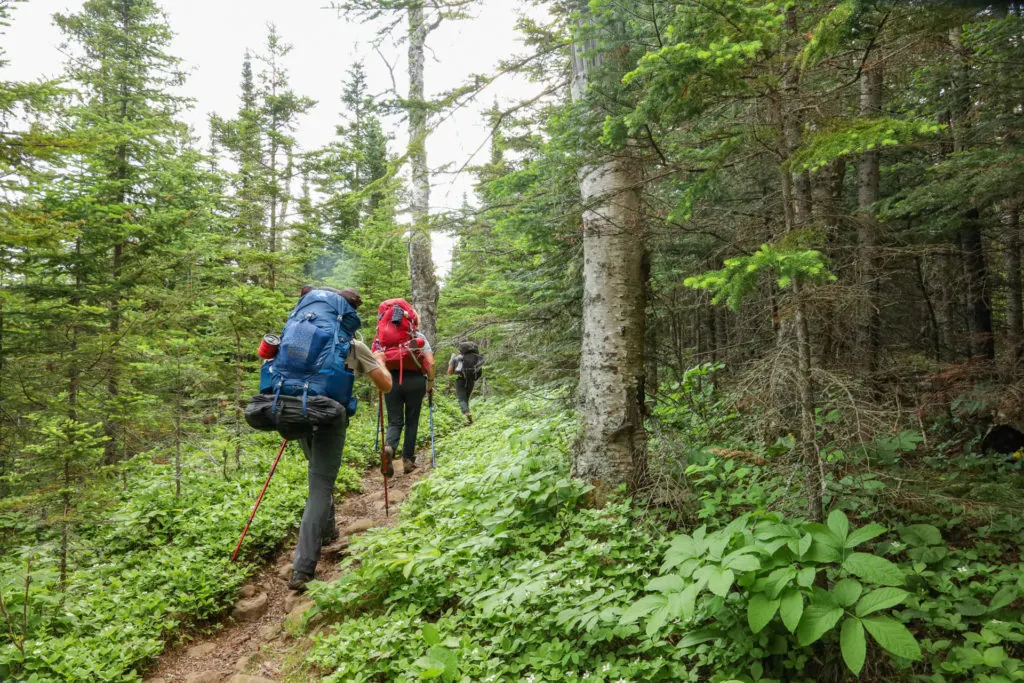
{"type": "Point", "coordinates": [252, 645]}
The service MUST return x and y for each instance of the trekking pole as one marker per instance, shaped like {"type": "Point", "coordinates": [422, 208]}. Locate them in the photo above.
{"type": "Point", "coordinates": [433, 451]}
{"type": "Point", "coordinates": [259, 500]}
{"type": "Point", "coordinates": [383, 452]}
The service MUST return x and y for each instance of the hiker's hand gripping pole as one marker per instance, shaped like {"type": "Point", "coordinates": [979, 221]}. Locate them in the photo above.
{"type": "Point", "coordinates": [259, 500]}
{"type": "Point", "coordinates": [383, 452]}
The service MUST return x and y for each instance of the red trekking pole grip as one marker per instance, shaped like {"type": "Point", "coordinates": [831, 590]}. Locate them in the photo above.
{"type": "Point", "coordinates": [259, 500]}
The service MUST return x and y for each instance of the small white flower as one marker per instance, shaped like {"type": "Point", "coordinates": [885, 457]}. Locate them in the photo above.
{"type": "Point", "coordinates": [963, 570]}
{"type": "Point", "coordinates": [607, 667]}
{"type": "Point", "coordinates": [586, 674]}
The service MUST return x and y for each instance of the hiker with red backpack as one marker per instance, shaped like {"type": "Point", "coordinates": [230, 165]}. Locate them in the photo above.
{"type": "Point", "coordinates": [408, 356]}
{"type": "Point", "coordinates": [306, 394]}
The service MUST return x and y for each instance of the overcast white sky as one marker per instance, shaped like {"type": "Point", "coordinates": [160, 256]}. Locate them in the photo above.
{"type": "Point", "coordinates": [212, 35]}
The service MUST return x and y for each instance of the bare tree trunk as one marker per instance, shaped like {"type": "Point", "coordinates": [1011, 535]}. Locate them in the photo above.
{"type": "Point", "coordinates": [798, 208]}
{"type": "Point", "coordinates": [422, 278]}
{"type": "Point", "coordinates": [611, 448]}
{"type": "Point", "coordinates": [868, 323]}
{"type": "Point", "coordinates": [1014, 298]}
{"type": "Point", "coordinates": [979, 304]}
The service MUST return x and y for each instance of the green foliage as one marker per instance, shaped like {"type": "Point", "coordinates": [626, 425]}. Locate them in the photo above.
{"type": "Point", "coordinates": [778, 569]}
{"type": "Point", "coordinates": [739, 277]}
{"type": "Point", "coordinates": [693, 407]}
{"type": "Point", "coordinates": [853, 137]}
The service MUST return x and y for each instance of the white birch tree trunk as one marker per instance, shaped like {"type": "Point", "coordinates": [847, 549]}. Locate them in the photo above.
{"type": "Point", "coordinates": [421, 263]}
{"type": "Point", "coordinates": [611, 447]}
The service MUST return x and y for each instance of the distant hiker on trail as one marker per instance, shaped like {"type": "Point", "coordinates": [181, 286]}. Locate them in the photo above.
{"type": "Point", "coordinates": [467, 364]}
{"type": "Point", "coordinates": [407, 354]}
{"type": "Point", "coordinates": [306, 395]}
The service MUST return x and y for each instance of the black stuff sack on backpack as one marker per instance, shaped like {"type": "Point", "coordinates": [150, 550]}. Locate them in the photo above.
{"type": "Point", "coordinates": [289, 417]}
{"type": "Point", "coordinates": [471, 365]}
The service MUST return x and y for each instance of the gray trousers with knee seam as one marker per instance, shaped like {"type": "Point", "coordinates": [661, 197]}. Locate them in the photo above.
{"type": "Point", "coordinates": [463, 391]}
{"type": "Point", "coordinates": [323, 451]}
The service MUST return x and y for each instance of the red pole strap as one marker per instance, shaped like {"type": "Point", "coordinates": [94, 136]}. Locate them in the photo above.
{"type": "Point", "coordinates": [259, 500]}
{"type": "Point", "coordinates": [383, 452]}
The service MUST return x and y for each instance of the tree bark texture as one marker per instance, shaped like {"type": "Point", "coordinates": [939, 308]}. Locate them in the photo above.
{"type": "Point", "coordinates": [979, 303]}
{"type": "Point", "coordinates": [1014, 298]}
{"type": "Point", "coordinates": [868, 319]}
{"type": "Point", "coordinates": [611, 448]}
{"type": "Point", "coordinates": [422, 278]}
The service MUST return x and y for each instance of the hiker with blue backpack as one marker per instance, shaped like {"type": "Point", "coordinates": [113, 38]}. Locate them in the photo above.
{"type": "Point", "coordinates": [306, 394]}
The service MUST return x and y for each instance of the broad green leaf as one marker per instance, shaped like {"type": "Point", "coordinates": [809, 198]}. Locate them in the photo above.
{"type": "Point", "coordinates": [823, 553]}
{"type": "Point", "coordinates": [430, 634]}
{"type": "Point", "coordinates": [658, 620]}
{"type": "Point", "coordinates": [689, 603]}
{"type": "Point", "coordinates": [742, 562]}
{"type": "Point", "coordinates": [839, 524]}
{"type": "Point", "coordinates": [760, 611]}
{"type": "Point", "coordinates": [824, 535]}
{"type": "Point", "coordinates": [847, 591]}
{"type": "Point", "coordinates": [805, 544]}
{"type": "Point", "coordinates": [893, 637]}
{"type": "Point", "coordinates": [920, 535]}
{"type": "Point", "coordinates": [719, 582]}
{"type": "Point", "coordinates": [1005, 596]}
{"type": "Point", "coordinates": [791, 608]}
{"type": "Point", "coordinates": [994, 657]}
{"type": "Point", "coordinates": [817, 620]}
{"type": "Point", "coordinates": [694, 638]}
{"type": "Point", "coordinates": [805, 577]}
{"type": "Point", "coordinates": [881, 598]}
{"type": "Point", "coordinates": [669, 583]}
{"type": "Point", "coordinates": [853, 645]}
{"type": "Point", "coordinates": [864, 534]}
{"type": "Point", "coordinates": [642, 607]}
{"type": "Point", "coordinates": [874, 569]}
{"type": "Point", "coordinates": [778, 580]}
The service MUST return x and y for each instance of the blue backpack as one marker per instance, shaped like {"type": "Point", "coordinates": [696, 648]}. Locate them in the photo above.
{"type": "Point", "coordinates": [316, 340]}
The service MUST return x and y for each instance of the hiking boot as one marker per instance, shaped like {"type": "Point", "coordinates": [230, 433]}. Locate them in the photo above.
{"type": "Point", "coordinates": [408, 465]}
{"type": "Point", "coordinates": [388, 469]}
{"type": "Point", "coordinates": [298, 582]}
{"type": "Point", "coordinates": [469, 418]}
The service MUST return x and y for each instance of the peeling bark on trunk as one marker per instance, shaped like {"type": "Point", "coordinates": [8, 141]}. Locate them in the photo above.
{"type": "Point", "coordinates": [422, 278]}
{"type": "Point", "coordinates": [611, 448]}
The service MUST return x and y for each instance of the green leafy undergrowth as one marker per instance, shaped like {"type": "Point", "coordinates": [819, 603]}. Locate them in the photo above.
{"type": "Point", "coordinates": [498, 570]}
{"type": "Point", "coordinates": [143, 564]}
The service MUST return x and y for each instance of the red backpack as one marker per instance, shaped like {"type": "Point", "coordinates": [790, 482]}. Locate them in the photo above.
{"type": "Point", "coordinates": [397, 323]}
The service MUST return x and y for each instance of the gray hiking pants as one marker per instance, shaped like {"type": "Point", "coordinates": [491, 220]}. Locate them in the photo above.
{"type": "Point", "coordinates": [404, 402]}
{"type": "Point", "coordinates": [463, 390]}
{"type": "Point", "coordinates": [323, 451]}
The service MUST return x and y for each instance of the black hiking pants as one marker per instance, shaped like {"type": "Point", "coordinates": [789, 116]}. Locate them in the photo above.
{"type": "Point", "coordinates": [404, 402]}
{"type": "Point", "coordinates": [463, 390]}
